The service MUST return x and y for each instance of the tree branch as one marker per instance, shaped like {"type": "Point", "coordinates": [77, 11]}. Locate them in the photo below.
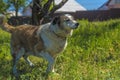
{"type": "Point", "coordinates": [57, 7]}
{"type": "Point", "coordinates": [47, 6]}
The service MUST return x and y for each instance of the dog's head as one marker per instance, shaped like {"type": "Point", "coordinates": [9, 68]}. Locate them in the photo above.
{"type": "Point", "coordinates": [65, 21]}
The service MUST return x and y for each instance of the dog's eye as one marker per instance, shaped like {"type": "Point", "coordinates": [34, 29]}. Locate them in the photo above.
{"type": "Point", "coordinates": [67, 20]}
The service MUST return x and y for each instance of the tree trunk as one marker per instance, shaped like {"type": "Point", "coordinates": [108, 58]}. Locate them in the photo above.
{"type": "Point", "coordinates": [35, 17]}
{"type": "Point", "coordinates": [16, 12]}
{"type": "Point", "coordinates": [35, 13]}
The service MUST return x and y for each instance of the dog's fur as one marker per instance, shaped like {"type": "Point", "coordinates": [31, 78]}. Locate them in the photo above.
{"type": "Point", "coordinates": [44, 41]}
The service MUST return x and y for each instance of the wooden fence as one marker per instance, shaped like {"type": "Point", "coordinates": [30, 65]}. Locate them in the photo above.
{"type": "Point", "coordinates": [93, 15]}
{"type": "Point", "coordinates": [98, 14]}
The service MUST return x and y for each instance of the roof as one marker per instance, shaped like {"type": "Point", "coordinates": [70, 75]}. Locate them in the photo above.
{"type": "Point", "coordinates": [70, 6]}
{"type": "Point", "coordinates": [103, 7]}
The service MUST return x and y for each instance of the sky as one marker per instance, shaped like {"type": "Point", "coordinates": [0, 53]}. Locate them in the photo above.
{"type": "Point", "coordinates": [91, 4]}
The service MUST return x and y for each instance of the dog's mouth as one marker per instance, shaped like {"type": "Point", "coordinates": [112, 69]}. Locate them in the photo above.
{"type": "Point", "coordinates": [76, 25]}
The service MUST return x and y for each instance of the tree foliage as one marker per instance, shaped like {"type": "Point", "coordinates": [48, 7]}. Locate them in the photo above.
{"type": "Point", "coordinates": [17, 4]}
{"type": "Point", "coordinates": [3, 6]}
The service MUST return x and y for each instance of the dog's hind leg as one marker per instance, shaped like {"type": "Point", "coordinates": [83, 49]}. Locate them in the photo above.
{"type": "Point", "coordinates": [16, 56]}
{"type": "Point", "coordinates": [28, 61]}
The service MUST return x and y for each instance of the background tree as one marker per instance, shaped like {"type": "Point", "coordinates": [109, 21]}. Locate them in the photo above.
{"type": "Point", "coordinates": [17, 5]}
{"type": "Point", "coordinates": [42, 9]}
{"type": "Point", "coordinates": [3, 6]}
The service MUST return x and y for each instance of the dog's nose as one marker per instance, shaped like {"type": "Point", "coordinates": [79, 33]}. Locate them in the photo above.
{"type": "Point", "coordinates": [77, 24]}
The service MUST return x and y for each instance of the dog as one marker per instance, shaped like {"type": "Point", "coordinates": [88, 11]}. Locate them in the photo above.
{"type": "Point", "coordinates": [46, 40]}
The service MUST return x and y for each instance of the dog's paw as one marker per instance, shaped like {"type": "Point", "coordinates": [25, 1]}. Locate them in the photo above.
{"type": "Point", "coordinates": [31, 65]}
{"type": "Point", "coordinates": [53, 73]}
{"type": "Point", "coordinates": [16, 75]}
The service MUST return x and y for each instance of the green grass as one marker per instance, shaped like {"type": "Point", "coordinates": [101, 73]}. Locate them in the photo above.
{"type": "Point", "coordinates": [93, 53]}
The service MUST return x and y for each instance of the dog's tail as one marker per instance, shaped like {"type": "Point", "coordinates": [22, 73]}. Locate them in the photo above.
{"type": "Point", "coordinates": [4, 25]}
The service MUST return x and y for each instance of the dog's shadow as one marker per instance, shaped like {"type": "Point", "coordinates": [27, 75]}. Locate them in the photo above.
{"type": "Point", "coordinates": [31, 73]}
{"type": "Point", "coordinates": [25, 71]}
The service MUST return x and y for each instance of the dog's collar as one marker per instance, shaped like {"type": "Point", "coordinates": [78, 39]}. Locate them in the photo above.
{"type": "Point", "coordinates": [57, 35]}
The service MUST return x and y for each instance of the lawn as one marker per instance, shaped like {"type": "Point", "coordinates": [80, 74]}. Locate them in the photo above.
{"type": "Point", "coordinates": [93, 53]}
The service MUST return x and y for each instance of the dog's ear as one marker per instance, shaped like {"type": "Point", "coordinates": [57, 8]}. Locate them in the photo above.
{"type": "Point", "coordinates": [56, 20]}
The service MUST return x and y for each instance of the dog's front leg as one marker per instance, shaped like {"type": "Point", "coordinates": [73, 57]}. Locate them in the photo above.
{"type": "Point", "coordinates": [50, 60]}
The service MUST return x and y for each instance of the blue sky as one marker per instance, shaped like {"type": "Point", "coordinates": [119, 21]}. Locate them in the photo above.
{"type": "Point", "coordinates": [91, 4]}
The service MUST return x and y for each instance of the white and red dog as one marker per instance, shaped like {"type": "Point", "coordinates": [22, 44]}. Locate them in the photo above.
{"type": "Point", "coordinates": [43, 41]}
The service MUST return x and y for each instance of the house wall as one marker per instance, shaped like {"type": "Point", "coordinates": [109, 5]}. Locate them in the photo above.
{"type": "Point", "coordinates": [110, 5]}
{"type": "Point", "coordinates": [114, 6]}
{"type": "Point", "coordinates": [114, 2]}
{"type": "Point", "coordinates": [27, 12]}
